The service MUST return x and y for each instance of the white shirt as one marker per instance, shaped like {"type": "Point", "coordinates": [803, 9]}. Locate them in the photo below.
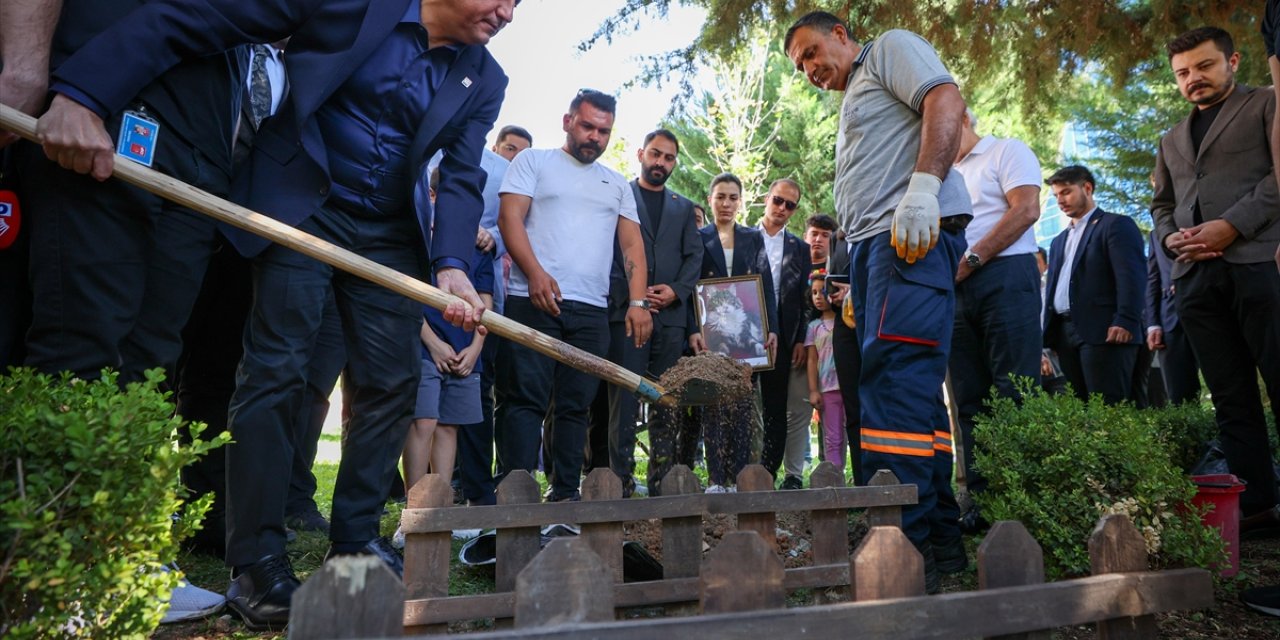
{"type": "Point", "coordinates": [571, 222]}
{"type": "Point", "coordinates": [773, 246]}
{"type": "Point", "coordinates": [993, 168]}
{"type": "Point", "coordinates": [1062, 293]}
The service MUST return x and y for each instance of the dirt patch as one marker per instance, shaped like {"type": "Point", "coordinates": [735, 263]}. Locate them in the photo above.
{"type": "Point", "coordinates": [730, 378]}
{"type": "Point", "coordinates": [794, 532]}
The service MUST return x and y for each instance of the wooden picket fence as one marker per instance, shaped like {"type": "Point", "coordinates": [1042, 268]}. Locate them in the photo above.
{"type": "Point", "coordinates": [567, 591]}
{"type": "Point", "coordinates": [519, 516]}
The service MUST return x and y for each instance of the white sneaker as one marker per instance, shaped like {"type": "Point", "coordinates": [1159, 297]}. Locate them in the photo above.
{"type": "Point", "coordinates": [465, 534]}
{"type": "Point", "coordinates": [397, 539]}
{"type": "Point", "coordinates": [715, 488]}
{"type": "Point", "coordinates": [189, 602]}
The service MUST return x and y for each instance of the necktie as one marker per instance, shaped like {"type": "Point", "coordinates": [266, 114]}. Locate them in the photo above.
{"type": "Point", "coordinates": [259, 85]}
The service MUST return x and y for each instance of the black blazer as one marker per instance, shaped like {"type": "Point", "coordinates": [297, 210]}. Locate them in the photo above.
{"type": "Point", "coordinates": [672, 253]}
{"type": "Point", "coordinates": [749, 258]}
{"type": "Point", "coordinates": [793, 317]}
{"type": "Point", "coordinates": [1107, 278]}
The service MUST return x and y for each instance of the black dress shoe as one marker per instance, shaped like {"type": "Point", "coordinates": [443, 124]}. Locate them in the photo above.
{"type": "Point", "coordinates": [307, 521]}
{"type": "Point", "coordinates": [379, 547]}
{"type": "Point", "coordinates": [260, 595]}
{"type": "Point", "coordinates": [972, 523]}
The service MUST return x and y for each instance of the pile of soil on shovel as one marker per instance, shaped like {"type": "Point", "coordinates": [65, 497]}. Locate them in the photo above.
{"type": "Point", "coordinates": [725, 373]}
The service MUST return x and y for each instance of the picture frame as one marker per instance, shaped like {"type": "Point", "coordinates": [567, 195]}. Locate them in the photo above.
{"type": "Point", "coordinates": [732, 317]}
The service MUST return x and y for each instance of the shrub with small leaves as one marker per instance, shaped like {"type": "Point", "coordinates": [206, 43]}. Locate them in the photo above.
{"type": "Point", "coordinates": [91, 508]}
{"type": "Point", "coordinates": [1058, 464]}
{"type": "Point", "coordinates": [1185, 428]}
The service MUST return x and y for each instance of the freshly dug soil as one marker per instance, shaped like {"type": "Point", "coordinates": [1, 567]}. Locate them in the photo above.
{"type": "Point", "coordinates": [733, 377]}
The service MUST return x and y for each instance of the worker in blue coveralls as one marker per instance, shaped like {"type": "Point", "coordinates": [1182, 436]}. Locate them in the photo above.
{"type": "Point", "coordinates": [904, 210]}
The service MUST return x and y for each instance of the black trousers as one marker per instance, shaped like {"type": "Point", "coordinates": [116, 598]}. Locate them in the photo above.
{"type": "Point", "coordinates": [380, 330]}
{"type": "Point", "coordinates": [328, 357]}
{"type": "Point", "coordinates": [1105, 369]}
{"type": "Point", "coordinates": [774, 385]}
{"type": "Point", "coordinates": [531, 387]}
{"type": "Point", "coordinates": [651, 360]}
{"type": "Point", "coordinates": [1231, 313]}
{"type": "Point", "coordinates": [996, 334]}
{"type": "Point", "coordinates": [115, 270]}
{"type": "Point", "coordinates": [1179, 366]}
{"type": "Point", "coordinates": [848, 356]}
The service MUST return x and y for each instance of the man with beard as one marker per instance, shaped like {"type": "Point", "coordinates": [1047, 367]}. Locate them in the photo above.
{"type": "Point", "coordinates": [1215, 210]}
{"type": "Point", "coordinates": [559, 214]}
{"type": "Point", "coordinates": [673, 254]}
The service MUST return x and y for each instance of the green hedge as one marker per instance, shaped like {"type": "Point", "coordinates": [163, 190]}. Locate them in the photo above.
{"type": "Point", "coordinates": [1057, 464]}
{"type": "Point", "coordinates": [91, 507]}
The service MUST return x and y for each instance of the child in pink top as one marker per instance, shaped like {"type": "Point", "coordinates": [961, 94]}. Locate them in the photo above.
{"type": "Point", "coordinates": [824, 387]}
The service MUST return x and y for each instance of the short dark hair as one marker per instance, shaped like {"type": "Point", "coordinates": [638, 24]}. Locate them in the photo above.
{"type": "Point", "coordinates": [597, 99]}
{"type": "Point", "coordinates": [725, 177]}
{"type": "Point", "coordinates": [821, 221]}
{"type": "Point", "coordinates": [788, 181]}
{"type": "Point", "coordinates": [664, 133]}
{"type": "Point", "coordinates": [1196, 37]}
{"type": "Point", "coordinates": [820, 21]}
{"type": "Point", "coordinates": [1074, 174]}
{"type": "Point", "coordinates": [517, 131]}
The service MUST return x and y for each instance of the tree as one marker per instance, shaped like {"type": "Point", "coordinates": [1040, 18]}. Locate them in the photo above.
{"type": "Point", "coordinates": [760, 121]}
{"type": "Point", "coordinates": [1041, 43]}
{"type": "Point", "coordinates": [1123, 129]}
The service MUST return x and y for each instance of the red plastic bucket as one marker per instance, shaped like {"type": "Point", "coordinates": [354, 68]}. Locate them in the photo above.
{"type": "Point", "coordinates": [1221, 491]}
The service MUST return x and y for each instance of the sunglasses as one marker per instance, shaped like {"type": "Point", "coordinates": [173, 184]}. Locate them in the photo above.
{"type": "Point", "coordinates": [789, 204]}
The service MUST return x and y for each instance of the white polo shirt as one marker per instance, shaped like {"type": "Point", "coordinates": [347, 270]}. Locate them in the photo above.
{"type": "Point", "coordinates": [993, 168]}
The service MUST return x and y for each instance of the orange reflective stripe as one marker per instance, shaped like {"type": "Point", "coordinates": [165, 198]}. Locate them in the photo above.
{"type": "Point", "coordinates": [897, 435]}
{"type": "Point", "coordinates": [942, 441]}
{"type": "Point", "coordinates": [902, 451]}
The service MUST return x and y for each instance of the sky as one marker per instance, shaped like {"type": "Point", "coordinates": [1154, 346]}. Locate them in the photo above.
{"type": "Point", "coordinates": [539, 52]}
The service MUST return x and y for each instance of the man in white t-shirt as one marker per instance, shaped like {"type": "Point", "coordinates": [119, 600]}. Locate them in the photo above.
{"type": "Point", "coordinates": [559, 212]}
{"type": "Point", "coordinates": [997, 324]}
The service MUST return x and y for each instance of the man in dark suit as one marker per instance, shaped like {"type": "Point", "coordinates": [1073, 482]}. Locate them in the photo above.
{"type": "Point", "coordinates": [673, 254]}
{"type": "Point", "coordinates": [1165, 337]}
{"type": "Point", "coordinates": [1094, 291]}
{"type": "Point", "coordinates": [1215, 210]}
{"type": "Point", "coordinates": [786, 422]}
{"type": "Point", "coordinates": [419, 71]}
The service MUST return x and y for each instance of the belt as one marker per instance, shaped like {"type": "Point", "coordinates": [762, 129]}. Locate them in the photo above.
{"type": "Point", "coordinates": [956, 223]}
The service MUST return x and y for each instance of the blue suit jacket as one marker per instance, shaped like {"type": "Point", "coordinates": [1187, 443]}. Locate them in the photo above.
{"type": "Point", "coordinates": [749, 258]}
{"type": "Point", "coordinates": [287, 175]}
{"type": "Point", "coordinates": [1107, 278]}
{"type": "Point", "coordinates": [1161, 310]}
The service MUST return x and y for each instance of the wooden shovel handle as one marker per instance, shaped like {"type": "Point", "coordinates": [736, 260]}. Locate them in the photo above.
{"type": "Point", "coordinates": [182, 193]}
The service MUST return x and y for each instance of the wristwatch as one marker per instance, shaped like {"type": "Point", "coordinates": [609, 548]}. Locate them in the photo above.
{"type": "Point", "coordinates": [972, 259]}
{"type": "Point", "coordinates": [643, 304]}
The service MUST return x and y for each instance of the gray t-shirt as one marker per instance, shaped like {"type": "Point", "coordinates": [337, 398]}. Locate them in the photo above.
{"type": "Point", "coordinates": [879, 136]}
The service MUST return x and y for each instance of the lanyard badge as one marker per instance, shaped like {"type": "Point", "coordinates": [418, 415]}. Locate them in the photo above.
{"type": "Point", "coordinates": [138, 138]}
